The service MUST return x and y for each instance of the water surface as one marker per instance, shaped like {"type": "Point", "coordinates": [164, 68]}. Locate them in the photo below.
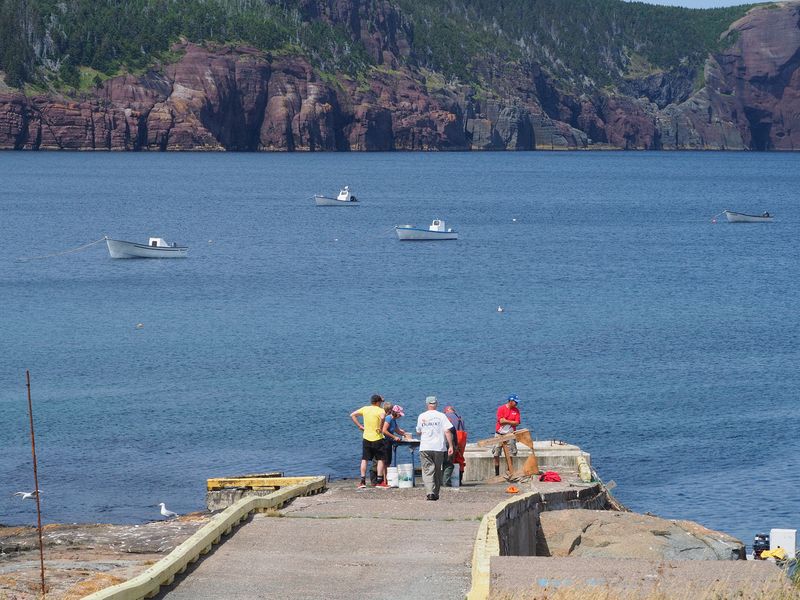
{"type": "Point", "coordinates": [662, 343]}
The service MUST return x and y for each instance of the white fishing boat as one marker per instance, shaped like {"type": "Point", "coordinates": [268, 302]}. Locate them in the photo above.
{"type": "Point", "coordinates": [155, 247]}
{"type": "Point", "coordinates": [345, 198]}
{"type": "Point", "coordinates": [735, 217]}
{"type": "Point", "coordinates": [436, 231]}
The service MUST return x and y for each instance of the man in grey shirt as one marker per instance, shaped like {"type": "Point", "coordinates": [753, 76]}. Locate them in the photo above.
{"type": "Point", "coordinates": [435, 441]}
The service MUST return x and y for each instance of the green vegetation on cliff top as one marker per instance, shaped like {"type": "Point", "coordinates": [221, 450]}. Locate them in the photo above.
{"type": "Point", "coordinates": [56, 38]}
{"type": "Point", "coordinates": [595, 39]}
{"type": "Point", "coordinates": [580, 42]}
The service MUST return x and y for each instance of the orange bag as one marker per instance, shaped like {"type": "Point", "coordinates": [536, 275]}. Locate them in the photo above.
{"type": "Point", "coordinates": [461, 444]}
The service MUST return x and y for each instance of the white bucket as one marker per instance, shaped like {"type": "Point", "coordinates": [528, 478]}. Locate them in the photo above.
{"type": "Point", "coordinates": [391, 476]}
{"type": "Point", "coordinates": [455, 478]}
{"type": "Point", "coordinates": [405, 475]}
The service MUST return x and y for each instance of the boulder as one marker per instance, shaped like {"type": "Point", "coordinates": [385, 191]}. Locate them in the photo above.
{"type": "Point", "coordinates": [611, 534]}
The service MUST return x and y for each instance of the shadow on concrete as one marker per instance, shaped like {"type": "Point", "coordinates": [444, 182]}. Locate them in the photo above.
{"type": "Point", "coordinates": [542, 549]}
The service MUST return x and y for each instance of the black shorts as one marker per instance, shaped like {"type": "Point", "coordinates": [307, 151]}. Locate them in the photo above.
{"type": "Point", "coordinates": [388, 450]}
{"type": "Point", "coordinates": [370, 450]}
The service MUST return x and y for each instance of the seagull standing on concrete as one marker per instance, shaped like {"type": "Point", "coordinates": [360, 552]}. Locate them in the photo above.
{"type": "Point", "coordinates": [28, 495]}
{"type": "Point", "coordinates": [166, 512]}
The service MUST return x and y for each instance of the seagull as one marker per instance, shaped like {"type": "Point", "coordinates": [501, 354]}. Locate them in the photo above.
{"type": "Point", "coordinates": [500, 309]}
{"type": "Point", "coordinates": [166, 512]}
{"type": "Point", "coordinates": [139, 325]}
{"type": "Point", "coordinates": [27, 495]}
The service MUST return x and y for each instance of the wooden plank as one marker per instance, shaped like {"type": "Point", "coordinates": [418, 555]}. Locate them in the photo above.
{"type": "Point", "coordinates": [267, 474]}
{"type": "Point", "coordinates": [219, 483]}
{"type": "Point", "coordinates": [509, 460]}
{"type": "Point", "coordinates": [494, 441]}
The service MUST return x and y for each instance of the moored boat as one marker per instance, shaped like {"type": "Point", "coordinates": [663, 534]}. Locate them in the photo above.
{"type": "Point", "coordinates": [436, 231]}
{"type": "Point", "coordinates": [156, 247]}
{"type": "Point", "coordinates": [735, 217]}
{"type": "Point", "coordinates": [345, 198]}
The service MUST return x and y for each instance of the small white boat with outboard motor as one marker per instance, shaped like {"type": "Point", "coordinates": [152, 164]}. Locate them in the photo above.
{"type": "Point", "coordinates": [156, 247]}
{"type": "Point", "coordinates": [345, 198]}
{"type": "Point", "coordinates": [437, 231]}
{"type": "Point", "coordinates": [735, 217]}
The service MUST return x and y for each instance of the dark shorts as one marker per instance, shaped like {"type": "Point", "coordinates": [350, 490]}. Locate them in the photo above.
{"type": "Point", "coordinates": [370, 450]}
{"type": "Point", "coordinates": [388, 451]}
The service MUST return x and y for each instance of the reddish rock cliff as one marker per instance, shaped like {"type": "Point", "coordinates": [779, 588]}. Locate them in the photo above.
{"type": "Point", "coordinates": [221, 98]}
{"type": "Point", "coordinates": [242, 99]}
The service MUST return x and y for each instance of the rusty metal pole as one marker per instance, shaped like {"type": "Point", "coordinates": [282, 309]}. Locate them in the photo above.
{"type": "Point", "coordinates": [36, 483]}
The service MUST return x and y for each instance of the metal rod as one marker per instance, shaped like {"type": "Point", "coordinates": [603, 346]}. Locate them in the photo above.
{"type": "Point", "coordinates": [36, 483]}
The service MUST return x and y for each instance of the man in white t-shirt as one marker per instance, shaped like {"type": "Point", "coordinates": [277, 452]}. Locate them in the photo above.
{"type": "Point", "coordinates": [435, 441]}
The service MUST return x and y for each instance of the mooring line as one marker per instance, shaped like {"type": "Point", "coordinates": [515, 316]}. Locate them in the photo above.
{"type": "Point", "coordinates": [78, 249]}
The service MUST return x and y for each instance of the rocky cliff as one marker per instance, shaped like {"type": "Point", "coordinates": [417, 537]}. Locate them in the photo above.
{"type": "Point", "coordinates": [219, 97]}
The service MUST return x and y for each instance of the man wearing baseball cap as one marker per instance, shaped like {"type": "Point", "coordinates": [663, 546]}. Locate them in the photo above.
{"type": "Point", "coordinates": [372, 439]}
{"type": "Point", "coordinates": [435, 442]}
{"type": "Point", "coordinates": [508, 419]}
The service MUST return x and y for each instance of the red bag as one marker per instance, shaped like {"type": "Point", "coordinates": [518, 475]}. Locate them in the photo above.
{"type": "Point", "coordinates": [461, 444]}
{"type": "Point", "coordinates": [549, 476]}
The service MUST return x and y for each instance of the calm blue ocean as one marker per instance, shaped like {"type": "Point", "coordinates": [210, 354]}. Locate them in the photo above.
{"type": "Point", "coordinates": [662, 343]}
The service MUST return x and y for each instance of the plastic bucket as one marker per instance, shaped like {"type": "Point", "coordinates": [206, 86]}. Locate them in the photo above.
{"type": "Point", "coordinates": [391, 476]}
{"type": "Point", "coordinates": [405, 475]}
{"type": "Point", "coordinates": [455, 478]}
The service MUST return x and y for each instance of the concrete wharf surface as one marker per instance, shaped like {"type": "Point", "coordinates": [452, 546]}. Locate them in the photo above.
{"type": "Point", "coordinates": [392, 543]}
{"type": "Point", "coordinates": [351, 543]}
{"type": "Point", "coordinates": [633, 578]}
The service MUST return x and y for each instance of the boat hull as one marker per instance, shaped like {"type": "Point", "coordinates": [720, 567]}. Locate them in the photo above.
{"type": "Point", "coordinates": [415, 234]}
{"type": "Point", "coordinates": [734, 217]}
{"type": "Point", "coordinates": [121, 249]}
{"type": "Point", "coordinates": [325, 201]}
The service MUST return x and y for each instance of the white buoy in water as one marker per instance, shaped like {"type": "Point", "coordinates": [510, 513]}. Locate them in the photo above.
{"type": "Point", "coordinates": [139, 325]}
{"type": "Point", "coordinates": [513, 220]}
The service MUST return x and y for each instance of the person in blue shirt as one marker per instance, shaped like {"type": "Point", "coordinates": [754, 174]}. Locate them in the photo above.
{"type": "Point", "coordinates": [392, 432]}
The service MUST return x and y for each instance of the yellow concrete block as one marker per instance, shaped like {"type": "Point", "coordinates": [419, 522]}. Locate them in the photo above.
{"type": "Point", "coordinates": [255, 483]}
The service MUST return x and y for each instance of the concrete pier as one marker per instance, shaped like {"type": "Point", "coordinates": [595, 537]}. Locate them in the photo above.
{"type": "Point", "coordinates": [369, 543]}
{"type": "Point", "coordinates": [478, 540]}
{"type": "Point", "coordinates": [552, 455]}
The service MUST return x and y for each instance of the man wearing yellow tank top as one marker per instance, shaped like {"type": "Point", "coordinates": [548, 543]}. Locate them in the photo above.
{"type": "Point", "coordinates": [372, 441]}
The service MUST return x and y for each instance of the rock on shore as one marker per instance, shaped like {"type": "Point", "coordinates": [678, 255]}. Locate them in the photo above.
{"type": "Point", "coordinates": [81, 559]}
{"type": "Point", "coordinates": [607, 534]}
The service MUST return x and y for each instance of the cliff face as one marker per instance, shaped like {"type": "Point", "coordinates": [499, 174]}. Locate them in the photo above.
{"type": "Point", "coordinates": [242, 99]}
{"type": "Point", "coordinates": [221, 98]}
{"type": "Point", "coordinates": [758, 80]}
{"type": "Point", "coordinates": [751, 98]}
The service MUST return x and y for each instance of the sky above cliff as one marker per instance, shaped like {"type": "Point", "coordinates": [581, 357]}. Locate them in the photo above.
{"type": "Point", "coordinates": [697, 3]}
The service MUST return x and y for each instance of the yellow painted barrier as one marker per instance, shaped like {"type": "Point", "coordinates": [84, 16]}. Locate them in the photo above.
{"type": "Point", "coordinates": [163, 572]}
{"type": "Point", "coordinates": [487, 545]}
{"type": "Point", "coordinates": [252, 482]}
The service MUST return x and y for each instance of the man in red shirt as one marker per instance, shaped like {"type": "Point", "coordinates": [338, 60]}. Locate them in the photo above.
{"type": "Point", "coordinates": [508, 418]}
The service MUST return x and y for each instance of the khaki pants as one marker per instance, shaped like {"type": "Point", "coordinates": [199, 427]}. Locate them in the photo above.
{"type": "Point", "coordinates": [432, 463]}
